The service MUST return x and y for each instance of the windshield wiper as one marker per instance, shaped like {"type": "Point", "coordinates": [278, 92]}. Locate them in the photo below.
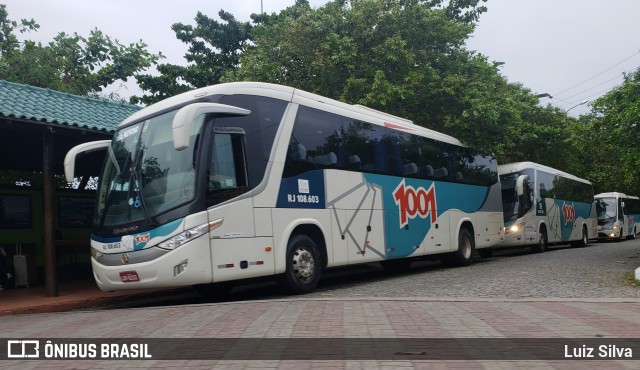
{"type": "Point", "coordinates": [134, 182]}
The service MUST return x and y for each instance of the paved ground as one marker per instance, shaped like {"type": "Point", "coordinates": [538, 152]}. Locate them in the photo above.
{"type": "Point", "coordinates": [361, 321]}
{"type": "Point", "coordinates": [601, 270]}
{"type": "Point", "coordinates": [578, 298]}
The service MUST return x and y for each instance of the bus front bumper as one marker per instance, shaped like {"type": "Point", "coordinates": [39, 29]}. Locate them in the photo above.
{"type": "Point", "coordinates": [187, 265]}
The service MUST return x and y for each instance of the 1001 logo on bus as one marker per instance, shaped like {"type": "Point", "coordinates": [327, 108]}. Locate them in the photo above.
{"type": "Point", "coordinates": [569, 213]}
{"type": "Point", "coordinates": [414, 202]}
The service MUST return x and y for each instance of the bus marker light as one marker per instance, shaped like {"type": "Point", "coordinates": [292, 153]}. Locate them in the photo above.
{"type": "Point", "coordinates": [180, 268]}
{"type": "Point", "coordinates": [267, 248]}
{"type": "Point", "coordinates": [216, 223]}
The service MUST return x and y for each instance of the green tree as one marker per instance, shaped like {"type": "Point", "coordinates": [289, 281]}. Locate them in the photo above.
{"type": "Point", "coordinates": [403, 57]}
{"type": "Point", "coordinates": [70, 63]}
{"type": "Point", "coordinates": [214, 47]}
{"type": "Point", "coordinates": [8, 40]}
{"type": "Point", "coordinates": [610, 137]}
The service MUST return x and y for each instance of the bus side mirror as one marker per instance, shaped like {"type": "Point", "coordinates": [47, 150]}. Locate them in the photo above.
{"type": "Point", "coordinates": [520, 184]}
{"type": "Point", "coordinates": [183, 120]}
{"type": "Point", "coordinates": [70, 158]}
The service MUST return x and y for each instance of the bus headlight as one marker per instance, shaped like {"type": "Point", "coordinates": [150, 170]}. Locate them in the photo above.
{"type": "Point", "coordinates": [513, 228]}
{"type": "Point", "coordinates": [95, 253]}
{"type": "Point", "coordinates": [187, 236]}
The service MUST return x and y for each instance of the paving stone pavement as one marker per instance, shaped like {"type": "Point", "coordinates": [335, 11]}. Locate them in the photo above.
{"type": "Point", "coordinates": [565, 297]}
{"type": "Point", "coordinates": [557, 321]}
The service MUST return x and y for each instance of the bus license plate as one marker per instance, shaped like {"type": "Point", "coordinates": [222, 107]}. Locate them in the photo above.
{"type": "Point", "coordinates": [129, 276]}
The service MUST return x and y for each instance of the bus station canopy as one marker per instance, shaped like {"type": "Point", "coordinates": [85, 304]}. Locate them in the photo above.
{"type": "Point", "coordinates": [26, 112]}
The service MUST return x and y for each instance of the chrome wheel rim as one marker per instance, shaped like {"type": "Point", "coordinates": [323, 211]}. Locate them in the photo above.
{"type": "Point", "coordinates": [303, 264]}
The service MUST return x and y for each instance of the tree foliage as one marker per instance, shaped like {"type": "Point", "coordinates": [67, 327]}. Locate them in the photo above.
{"type": "Point", "coordinates": [214, 47]}
{"type": "Point", "coordinates": [70, 63]}
{"type": "Point", "coordinates": [404, 57]}
{"type": "Point", "coordinates": [609, 138]}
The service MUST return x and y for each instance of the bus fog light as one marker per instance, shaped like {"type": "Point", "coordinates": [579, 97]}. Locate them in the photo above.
{"type": "Point", "coordinates": [180, 268]}
{"type": "Point", "coordinates": [95, 253]}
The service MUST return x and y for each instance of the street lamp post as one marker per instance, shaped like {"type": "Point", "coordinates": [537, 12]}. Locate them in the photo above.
{"type": "Point", "coordinates": [544, 95]}
{"type": "Point", "coordinates": [577, 105]}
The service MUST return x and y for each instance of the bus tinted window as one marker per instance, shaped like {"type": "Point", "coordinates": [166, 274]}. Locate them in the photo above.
{"type": "Point", "coordinates": [632, 206]}
{"type": "Point", "coordinates": [323, 140]}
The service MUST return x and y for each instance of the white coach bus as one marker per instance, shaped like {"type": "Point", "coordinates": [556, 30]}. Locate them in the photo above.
{"type": "Point", "coordinates": [542, 206]}
{"type": "Point", "coordinates": [618, 215]}
{"type": "Point", "coordinates": [246, 180]}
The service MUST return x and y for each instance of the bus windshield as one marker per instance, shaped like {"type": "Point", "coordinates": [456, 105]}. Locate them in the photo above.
{"type": "Point", "coordinates": [144, 175]}
{"type": "Point", "coordinates": [606, 209]}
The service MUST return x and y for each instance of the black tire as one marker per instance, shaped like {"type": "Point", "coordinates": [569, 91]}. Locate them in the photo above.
{"type": "Point", "coordinates": [304, 265]}
{"type": "Point", "coordinates": [620, 238]}
{"type": "Point", "coordinates": [485, 252]}
{"type": "Point", "coordinates": [397, 265]}
{"type": "Point", "coordinates": [584, 241]}
{"type": "Point", "coordinates": [463, 256]}
{"type": "Point", "coordinates": [542, 245]}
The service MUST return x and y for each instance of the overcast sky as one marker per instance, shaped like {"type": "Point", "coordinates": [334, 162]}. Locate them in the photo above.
{"type": "Point", "coordinates": [575, 50]}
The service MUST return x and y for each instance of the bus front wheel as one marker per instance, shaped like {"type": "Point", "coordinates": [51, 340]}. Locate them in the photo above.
{"type": "Point", "coordinates": [304, 265]}
{"type": "Point", "coordinates": [541, 246]}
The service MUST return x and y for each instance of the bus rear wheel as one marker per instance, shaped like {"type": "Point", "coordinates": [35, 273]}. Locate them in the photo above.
{"type": "Point", "coordinates": [464, 255]}
{"type": "Point", "coordinates": [304, 265]}
{"type": "Point", "coordinates": [584, 241]}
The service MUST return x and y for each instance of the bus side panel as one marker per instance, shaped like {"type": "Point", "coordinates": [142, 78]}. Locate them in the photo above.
{"type": "Point", "coordinates": [490, 219]}
{"type": "Point", "coordinates": [488, 229]}
{"type": "Point", "coordinates": [241, 258]}
{"type": "Point", "coordinates": [365, 230]}
{"type": "Point", "coordinates": [339, 238]}
{"type": "Point", "coordinates": [553, 214]}
{"type": "Point", "coordinates": [285, 220]}
{"type": "Point", "coordinates": [437, 240]}
{"type": "Point", "coordinates": [235, 251]}
{"type": "Point", "coordinates": [363, 225]}
{"type": "Point", "coordinates": [237, 219]}
{"type": "Point", "coordinates": [565, 220]}
{"type": "Point", "coordinates": [633, 220]}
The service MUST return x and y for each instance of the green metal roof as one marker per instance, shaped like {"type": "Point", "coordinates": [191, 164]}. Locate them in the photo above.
{"type": "Point", "coordinates": [46, 105]}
